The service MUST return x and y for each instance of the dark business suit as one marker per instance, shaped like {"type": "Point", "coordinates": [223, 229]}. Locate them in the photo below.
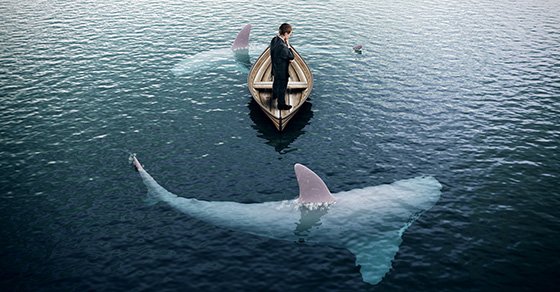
{"type": "Point", "coordinates": [281, 56]}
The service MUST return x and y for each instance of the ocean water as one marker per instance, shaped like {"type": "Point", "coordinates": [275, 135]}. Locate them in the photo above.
{"type": "Point", "coordinates": [465, 91]}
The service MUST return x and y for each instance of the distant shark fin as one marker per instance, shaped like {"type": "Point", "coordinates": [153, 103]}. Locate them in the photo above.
{"type": "Point", "coordinates": [242, 39]}
{"type": "Point", "coordinates": [312, 189]}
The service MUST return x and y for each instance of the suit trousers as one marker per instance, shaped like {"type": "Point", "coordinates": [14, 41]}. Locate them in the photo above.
{"type": "Point", "coordinates": [279, 86]}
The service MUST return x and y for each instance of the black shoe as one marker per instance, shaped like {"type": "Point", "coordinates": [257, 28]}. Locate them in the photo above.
{"type": "Point", "coordinates": [284, 107]}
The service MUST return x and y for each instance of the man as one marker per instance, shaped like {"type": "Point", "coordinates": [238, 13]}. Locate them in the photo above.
{"type": "Point", "coordinates": [282, 55]}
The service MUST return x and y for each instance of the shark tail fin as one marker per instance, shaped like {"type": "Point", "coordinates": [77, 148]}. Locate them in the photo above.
{"type": "Point", "coordinates": [137, 165]}
{"type": "Point", "coordinates": [312, 189]}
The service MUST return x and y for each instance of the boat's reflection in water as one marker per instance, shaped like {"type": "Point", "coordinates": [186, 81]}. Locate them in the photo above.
{"type": "Point", "coordinates": [280, 140]}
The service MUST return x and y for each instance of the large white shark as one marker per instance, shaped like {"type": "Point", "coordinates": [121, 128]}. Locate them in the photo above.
{"type": "Point", "coordinates": [237, 56]}
{"type": "Point", "coordinates": [369, 222]}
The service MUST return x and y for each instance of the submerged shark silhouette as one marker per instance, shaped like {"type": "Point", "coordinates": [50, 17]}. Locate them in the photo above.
{"type": "Point", "coordinates": [369, 222]}
{"type": "Point", "coordinates": [205, 60]}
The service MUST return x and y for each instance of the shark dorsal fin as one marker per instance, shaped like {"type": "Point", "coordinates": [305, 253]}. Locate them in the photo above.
{"type": "Point", "coordinates": [312, 189]}
{"type": "Point", "coordinates": [242, 39]}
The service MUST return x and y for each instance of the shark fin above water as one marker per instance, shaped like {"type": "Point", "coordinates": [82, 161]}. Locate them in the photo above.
{"type": "Point", "coordinates": [312, 189]}
{"type": "Point", "coordinates": [369, 222]}
{"type": "Point", "coordinates": [242, 40]}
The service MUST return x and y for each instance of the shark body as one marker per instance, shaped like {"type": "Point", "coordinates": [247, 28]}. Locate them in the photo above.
{"type": "Point", "coordinates": [369, 222]}
{"type": "Point", "coordinates": [236, 56]}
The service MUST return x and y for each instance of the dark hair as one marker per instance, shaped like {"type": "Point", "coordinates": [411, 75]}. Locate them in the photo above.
{"type": "Point", "coordinates": [284, 28]}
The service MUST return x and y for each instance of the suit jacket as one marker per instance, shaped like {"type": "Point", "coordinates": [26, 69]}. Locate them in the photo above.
{"type": "Point", "coordinates": [281, 56]}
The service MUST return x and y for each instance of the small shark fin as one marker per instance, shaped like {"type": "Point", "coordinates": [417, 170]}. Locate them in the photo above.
{"type": "Point", "coordinates": [242, 39]}
{"type": "Point", "coordinates": [312, 189]}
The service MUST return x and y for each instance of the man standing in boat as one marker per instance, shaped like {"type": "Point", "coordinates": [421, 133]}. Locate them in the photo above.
{"type": "Point", "coordinates": [282, 55]}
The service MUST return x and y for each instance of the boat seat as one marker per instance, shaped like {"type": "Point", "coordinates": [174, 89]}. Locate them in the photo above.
{"type": "Point", "coordinates": [291, 85]}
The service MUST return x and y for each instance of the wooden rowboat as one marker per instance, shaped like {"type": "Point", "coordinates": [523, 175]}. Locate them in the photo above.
{"type": "Point", "coordinates": [299, 88]}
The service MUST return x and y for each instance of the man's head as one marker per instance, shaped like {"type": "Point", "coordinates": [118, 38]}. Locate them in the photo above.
{"type": "Point", "coordinates": [285, 29]}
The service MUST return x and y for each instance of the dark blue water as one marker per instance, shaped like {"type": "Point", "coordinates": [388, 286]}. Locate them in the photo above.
{"type": "Point", "coordinates": [468, 92]}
